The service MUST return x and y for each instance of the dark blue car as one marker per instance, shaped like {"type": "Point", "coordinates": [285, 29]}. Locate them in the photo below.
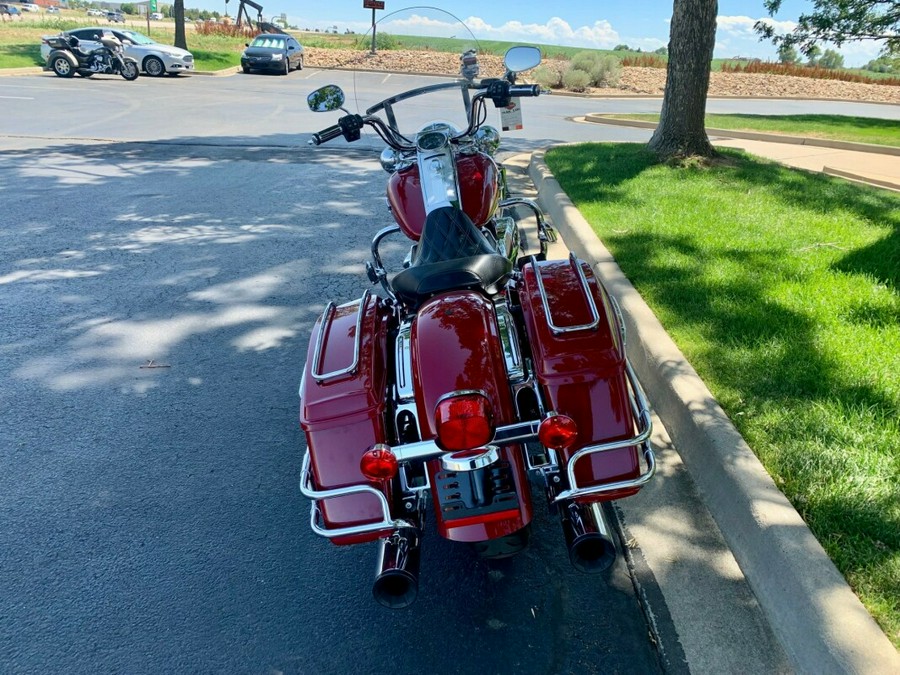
{"type": "Point", "coordinates": [274, 52]}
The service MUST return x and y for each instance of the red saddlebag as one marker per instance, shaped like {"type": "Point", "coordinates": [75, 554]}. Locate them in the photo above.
{"type": "Point", "coordinates": [342, 411]}
{"type": "Point", "coordinates": [579, 359]}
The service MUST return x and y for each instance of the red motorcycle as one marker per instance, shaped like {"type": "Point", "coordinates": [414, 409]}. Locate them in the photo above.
{"type": "Point", "coordinates": [472, 368]}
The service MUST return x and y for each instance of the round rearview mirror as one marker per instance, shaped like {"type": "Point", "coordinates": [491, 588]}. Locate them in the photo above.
{"type": "Point", "coordinates": [328, 98]}
{"type": "Point", "coordinates": [522, 58]}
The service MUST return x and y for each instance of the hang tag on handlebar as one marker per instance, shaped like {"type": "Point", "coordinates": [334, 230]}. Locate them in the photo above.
{"type": "Point", "coordinates": [511, 116]}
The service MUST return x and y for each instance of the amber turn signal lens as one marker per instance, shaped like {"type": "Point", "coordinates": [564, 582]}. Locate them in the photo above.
{"type": "Point", "coordinates": [378, 463]}
{"type": "Point", "coordinates": [557, 432]}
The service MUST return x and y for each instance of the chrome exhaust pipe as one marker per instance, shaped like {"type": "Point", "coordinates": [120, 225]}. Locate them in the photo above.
{"type": "Point", "coordinates": [588, 537]}
{"type": "Point", "coordinates": [397, 580]}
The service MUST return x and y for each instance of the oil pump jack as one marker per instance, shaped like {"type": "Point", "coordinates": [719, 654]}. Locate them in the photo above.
{"type": "Point", "coordinates": [243, 15]}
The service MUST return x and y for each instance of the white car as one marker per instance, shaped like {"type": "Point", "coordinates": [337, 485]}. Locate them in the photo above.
{"type": "Point", "coordinates": [154, 58]}
{"type": "Point", "coordinates": [156, 16]}
{"type": "Point", "coordinates": [30, 7]}
{"type": "Point", "coordinates": [96, 12]}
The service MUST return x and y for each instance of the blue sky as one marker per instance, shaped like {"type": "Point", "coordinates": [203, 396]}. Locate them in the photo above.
{"type": "Point", "coordinates": [585, 23]}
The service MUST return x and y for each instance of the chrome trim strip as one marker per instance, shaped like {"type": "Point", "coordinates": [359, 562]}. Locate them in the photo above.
{"type": "Point", "coordinates": [320, 342]}
{"type": "Point", "coordinates": [512, 353]}
{"type": "Point", "coordinates": [592, 306]}
{"type": "Point", "coordinates": [403, 362]}
{"type": "Point", "coordinates": [450, 462]}
{"type": "Point", "coordinates": [317, 522]}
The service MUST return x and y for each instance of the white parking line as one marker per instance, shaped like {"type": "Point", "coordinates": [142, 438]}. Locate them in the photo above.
{"type": "Point", "coordinates": [386, 78]}
{"type": "Point", "coordinates": [21, 98]}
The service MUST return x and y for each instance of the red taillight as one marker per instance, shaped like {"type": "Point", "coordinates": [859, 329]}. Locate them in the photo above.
{"type": "Point", "coordinates": [379, 463]}
{"type": "Point", "coordinates": [464, 421]}
{"type": "Point", "coordinates": [557, 432]}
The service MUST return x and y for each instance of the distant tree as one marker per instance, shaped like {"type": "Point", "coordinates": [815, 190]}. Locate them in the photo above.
{"type": "Point", "coordinates": [813, 54]}
{"type": "Point", "coordinates": [692, 36]}
{"type": "Point", "coordinates": [831, 59]}
{"type": "Point", "coordinates": [128, 8]}
{"type": "Point", "coordinates": [621, 48]}
{"type": "Point", "coordinates": [838, 21]}
{"type": "Point", "coordinates": [787, 54]}
{"type": "Point", "coordinates": [884, 64]}
{"type": "Point", "coordinates": [662, 51]}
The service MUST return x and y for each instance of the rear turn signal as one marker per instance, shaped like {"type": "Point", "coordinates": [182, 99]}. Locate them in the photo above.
{"type": "Point", "coordinates": [378, 463]}
{"type": "Point", "coordinates": [464, 421]}
{"type": "Point", "coordinates": [557, 432]}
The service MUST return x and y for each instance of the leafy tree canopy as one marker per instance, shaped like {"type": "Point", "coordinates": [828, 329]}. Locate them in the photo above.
{"type": "Point", "coordinates": [838, 21]}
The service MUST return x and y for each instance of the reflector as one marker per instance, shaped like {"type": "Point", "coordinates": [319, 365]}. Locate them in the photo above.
{"type": "Point", "coordinates": [378, 463]}
{"type": "Point", "coordinates": [557, 431]}
{"type": "Point", "coordinates": [464, 421]}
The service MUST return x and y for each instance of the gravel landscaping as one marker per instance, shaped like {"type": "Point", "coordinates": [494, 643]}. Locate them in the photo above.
{"type": "Point", "coordinates": [635, 81]}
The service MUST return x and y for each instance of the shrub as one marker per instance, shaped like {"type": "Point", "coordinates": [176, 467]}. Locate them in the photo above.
{"type": "Point", "coordinates": [606, 72]}
{"type": "Point", "coordinates": [804, 71]}
{"type": "Point", "coordinates": [549, 74]}
{"type": "Point", "coordinates": [382, 41]}
{"type": "Point", "coordinates": [644, 61]}
{"type": "Point", "coordinates": [576, 80]}
{"type": "Point", "coordinates": [226, 29]}
{"type": "Point", "coordinates": [603, 71]}
{"type": "Point", "coordinates": [584, 61]}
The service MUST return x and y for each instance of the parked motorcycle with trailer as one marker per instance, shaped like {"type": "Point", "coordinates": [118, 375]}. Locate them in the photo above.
{"type": "Point", "coordinates": [67, 58]}
{"type": "Point", "coordinates": [473, 367]}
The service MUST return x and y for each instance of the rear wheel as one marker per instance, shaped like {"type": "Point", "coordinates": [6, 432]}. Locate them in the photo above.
{"type": "Point", "coordinates": [300, 64]}
{"type": "Point", "coordinates": [154, 66]}
{"type": "Point", "coordinates": [503, 547]}
{"type": "Point", "coordinates": [62, 67]}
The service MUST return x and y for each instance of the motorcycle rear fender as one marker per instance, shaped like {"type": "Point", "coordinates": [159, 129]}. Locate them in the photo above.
{"type": "Point", "coordinates": [579, 359]}
{"type": "Point", "coordinates": [342, 408]}
{"type": "Point", "coordinates": [65, 54]}
{"type": "Point", "coordinates": [456, 346]}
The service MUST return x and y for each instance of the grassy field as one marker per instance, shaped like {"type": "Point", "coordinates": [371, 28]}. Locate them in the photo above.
{"type": "Point", "coordinates": [832, 127]}
{"type": "Point", "coordinates": [782, 288]}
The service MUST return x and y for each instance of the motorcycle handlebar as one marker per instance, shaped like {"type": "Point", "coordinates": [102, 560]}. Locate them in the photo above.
{"type": "Point", "coordinates": [326, 135]}
{"type": "Point", "coordinates": [522, 90]}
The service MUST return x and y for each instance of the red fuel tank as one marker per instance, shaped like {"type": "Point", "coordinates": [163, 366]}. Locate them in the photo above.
{"type": "Point", "coordinates": [479, 185]}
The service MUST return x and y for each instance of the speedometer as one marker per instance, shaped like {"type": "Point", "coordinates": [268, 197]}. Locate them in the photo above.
{"type": "Point", "coordinates": [431, 140]}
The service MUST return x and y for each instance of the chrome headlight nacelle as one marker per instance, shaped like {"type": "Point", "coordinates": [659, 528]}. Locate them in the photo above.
{"type": "Point", "coordinates": [487, 139]}
{"type": "Point", "coordinates": [393, 160]}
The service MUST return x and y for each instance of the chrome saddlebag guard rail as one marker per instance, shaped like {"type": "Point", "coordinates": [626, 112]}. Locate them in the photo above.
{"type": "Point", "coordinates": [317, 523]}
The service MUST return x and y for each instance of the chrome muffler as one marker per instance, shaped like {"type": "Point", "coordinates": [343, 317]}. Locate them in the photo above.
{"type": "Point", "coordinates": [588, 537]}
{"type": "Point", "coordinates": [397, 580]}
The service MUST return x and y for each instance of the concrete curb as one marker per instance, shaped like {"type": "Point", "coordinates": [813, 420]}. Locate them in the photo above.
{"type": "Point", "coordinates": [821, 624]}
{"type": "Point", "coordinates": [597, 118]}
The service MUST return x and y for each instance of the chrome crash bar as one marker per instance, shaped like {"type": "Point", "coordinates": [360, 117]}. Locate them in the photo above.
{"type": "Point", "coordinates": [317, 521]}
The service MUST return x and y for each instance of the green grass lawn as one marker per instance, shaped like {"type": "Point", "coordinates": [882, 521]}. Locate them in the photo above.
{"type": "Point", "coordinates": [782, 288]}
{"type": "Point", "coordinates": [832, 127]}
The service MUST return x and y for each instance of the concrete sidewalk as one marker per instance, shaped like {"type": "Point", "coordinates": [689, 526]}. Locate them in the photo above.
{"type": "Point", "coordinates": [878, 166]}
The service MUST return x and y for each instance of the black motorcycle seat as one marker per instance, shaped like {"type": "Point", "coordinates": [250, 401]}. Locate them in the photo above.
{"type": "Point", "coordinates": [452, 254]}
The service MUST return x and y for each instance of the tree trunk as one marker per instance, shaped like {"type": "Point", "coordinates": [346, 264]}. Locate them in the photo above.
{"type": "Point", "coordinates": [681, 131]}
{"type": "Point", "coordinates": [178, 11]}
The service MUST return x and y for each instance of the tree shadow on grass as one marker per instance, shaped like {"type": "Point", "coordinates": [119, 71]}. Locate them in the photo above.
{"type": "Point", "coordinates": [827, 194]}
